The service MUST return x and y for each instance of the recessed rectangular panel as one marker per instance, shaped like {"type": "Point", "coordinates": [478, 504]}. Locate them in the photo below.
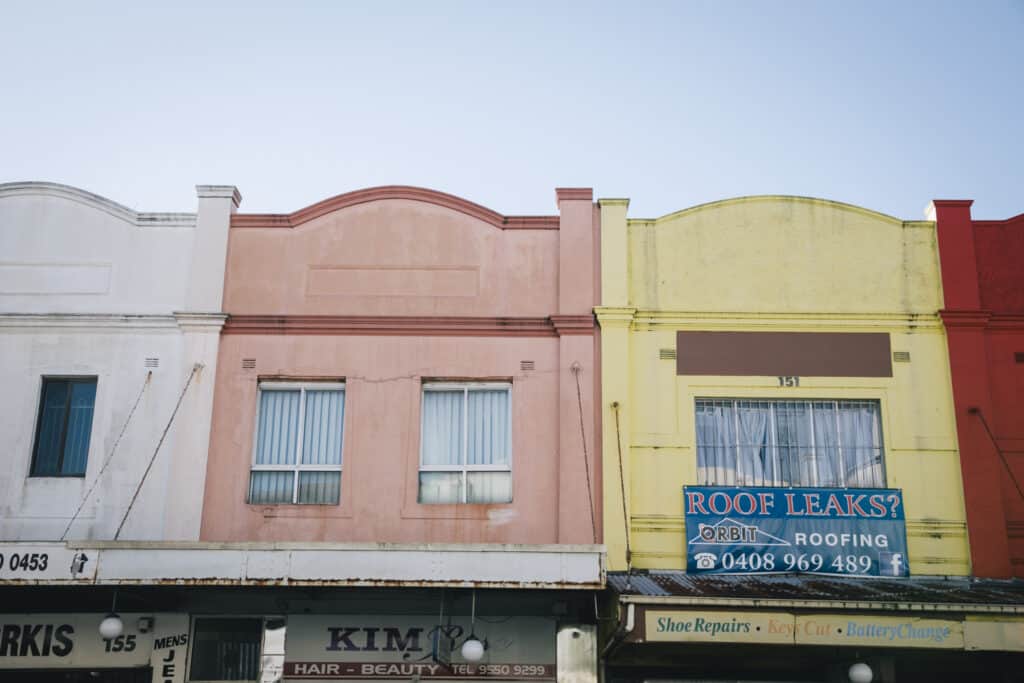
{"type": "Point", "coordinates": [54, 278]}
{"type": "Point", "coordinates": [392, 281]}
{"type": "Point", "coordinates": [806, 354]}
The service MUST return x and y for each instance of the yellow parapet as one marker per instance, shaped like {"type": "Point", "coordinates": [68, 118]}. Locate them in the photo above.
{"type": "Point", "coordinates": [770, 264]}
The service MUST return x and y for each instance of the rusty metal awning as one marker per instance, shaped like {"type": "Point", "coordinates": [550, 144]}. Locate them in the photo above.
{"type": "Point", "coordinates": [962, 594]}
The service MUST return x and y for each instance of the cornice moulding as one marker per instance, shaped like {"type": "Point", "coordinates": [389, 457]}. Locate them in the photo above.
{"type": "Point", "coordinates": [772, 198]}
{"type": "Point", "coordinates": [573, 324]}
{"type": "Point", "coordinates": [574, 194]}
{"type": "Point", "coordinates": [219, 192]}
{"type": "Point", "coordinates": [390, 326]}
{"type": "Point", "coordinates": [86, 322]}
{"type": "Point", "coordinates": [74, 194]}
{"type": "Point", "coordinates": [419, 194]}
{"type": "Point", "coordinates": [200, 322]}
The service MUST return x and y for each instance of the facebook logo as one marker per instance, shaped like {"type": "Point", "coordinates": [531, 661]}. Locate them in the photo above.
{"type": "Point", "coordinates": [892, 564]}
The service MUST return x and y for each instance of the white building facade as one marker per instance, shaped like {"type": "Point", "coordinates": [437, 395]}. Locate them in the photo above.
{"type": "Point", "coordinates": [105, 315]}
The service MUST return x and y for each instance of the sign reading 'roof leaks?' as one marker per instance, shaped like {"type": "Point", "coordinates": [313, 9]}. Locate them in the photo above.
{"type": "Point", "coordinates": [735, 530]}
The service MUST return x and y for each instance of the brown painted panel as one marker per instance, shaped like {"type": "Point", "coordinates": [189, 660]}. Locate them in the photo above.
{"type": "Point", "coordinates": [807, 354]}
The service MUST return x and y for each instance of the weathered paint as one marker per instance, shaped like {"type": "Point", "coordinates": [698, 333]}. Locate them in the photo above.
{"type": "Point", "coordinates": [334, 564]}
{"type": "Point", "coordinates": [984, 317]}
{"type": "Point", "coordinates": [384, 288]}
{"type": "Point", "coordinates": [769, 264]}
{"type": "Point", "coordinates": [91, 288]}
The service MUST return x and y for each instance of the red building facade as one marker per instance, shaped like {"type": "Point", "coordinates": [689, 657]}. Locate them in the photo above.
{"type": "Point", "coordinates": [983, 287]}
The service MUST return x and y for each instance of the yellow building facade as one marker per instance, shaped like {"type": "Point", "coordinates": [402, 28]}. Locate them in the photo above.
{"type": "Point", "coordinates": [764, 265]}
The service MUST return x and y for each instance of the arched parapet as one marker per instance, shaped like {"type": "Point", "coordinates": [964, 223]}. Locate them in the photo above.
{"type": "Point", "coordinates": [775, 254]}
{"type": "Point", "coordinates": [95, 201]}
{"type": "Point", "coordinates": [391, 192]}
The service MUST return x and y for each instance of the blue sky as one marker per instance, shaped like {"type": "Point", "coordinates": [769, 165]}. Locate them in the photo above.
{"type": "Point", "coordinates": [882, 104]}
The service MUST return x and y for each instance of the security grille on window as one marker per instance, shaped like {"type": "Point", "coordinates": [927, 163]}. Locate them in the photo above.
{"type": "Point", "coordinates": [63, 427]}
{"type": "Point", "coordinates": [789, 443]}
{"type": "Point", "coordinates": [465, 455]}
{"type": "Point", "coordinates": [299, 429]}
{"type": "Point", "coordinates": [226, 649]}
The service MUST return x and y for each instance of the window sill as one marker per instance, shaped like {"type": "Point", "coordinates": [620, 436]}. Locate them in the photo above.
{"type": "Point", "coordinates": [481, 511]}
{"type": "Point", "coordinates": [301, 510]}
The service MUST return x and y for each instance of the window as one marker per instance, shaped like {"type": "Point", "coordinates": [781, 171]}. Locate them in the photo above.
{"type": "Point", "coordinates": [298, 444]}
{"type": "Point", "coordinates": [226, 649]}
{"type": "Point", "coordinates": [789, 443]}
{"type": "Point", "coordinates": [465, 454]}
{"type": "Point", "coordinates": [63, 427]}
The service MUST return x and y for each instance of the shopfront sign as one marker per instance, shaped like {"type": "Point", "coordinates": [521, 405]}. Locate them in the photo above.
{"type": "Point", "coordinates": [1005, 634]}
{"type": "Point", "coordinates": [36, 562]}
{"type": "Point", "coordinates": [403, 647]}
{"type": "Point", "coordinates": [71, 641]}
{"type": "Point", "coordinates": [170, 648]}
{"type": "Point", "coordinates": [747, 530]}
{"type": "Point", "coordinates": [792, 629]}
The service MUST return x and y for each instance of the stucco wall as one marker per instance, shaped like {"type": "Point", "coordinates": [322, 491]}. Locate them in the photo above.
{"type": "Point", "coordinates": [91, 288]}
{"type": "Point", "coordinates": [386, 294]}
{"type": "Point", "coordinates": [770, 264]}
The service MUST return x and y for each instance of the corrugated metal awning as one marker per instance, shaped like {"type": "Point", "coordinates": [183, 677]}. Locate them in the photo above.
{"type": "Point", "coordinates": [808, 590]}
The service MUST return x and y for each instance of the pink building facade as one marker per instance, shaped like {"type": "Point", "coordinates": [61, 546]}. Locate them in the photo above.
{"type": "Point", "coordinates": [403, 366]}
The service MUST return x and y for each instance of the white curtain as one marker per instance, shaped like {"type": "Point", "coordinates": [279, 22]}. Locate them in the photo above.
{"type": "Point", "coordinates": [487, 443]}
{"type": "Point", "coordinates": [277, 444]}
{"type": "Point", "coordinates": [862, 444]}
{"type": "Point", "coordinates": [442, 427]}
{"type": "Point", "coordinates": [754, 446]}
{"type": "Point", "coordinates": [789, 443]}
{"type": "Point", "coordinates": [716, 443]}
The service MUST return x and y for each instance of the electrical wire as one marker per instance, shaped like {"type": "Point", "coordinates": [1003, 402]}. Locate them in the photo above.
{"type": "Point", "coordinates": [152, 459]}
{"type": "Point", "coordinates": [576, 369]}
{"type": "Point", "coordinates": [113, 449]}
{"type": "Point", "coordinates": [1013, 478]}
{"type": "Point", "coordinates": [622, 487]}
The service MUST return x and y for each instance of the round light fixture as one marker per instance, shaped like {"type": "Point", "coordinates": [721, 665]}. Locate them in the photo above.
{"type": "Point", "coordinates": [111, 626]}
{"type": "Point", "coordinates": [472, 650]}
{"type": "Point", "coordinates": [861, 673]}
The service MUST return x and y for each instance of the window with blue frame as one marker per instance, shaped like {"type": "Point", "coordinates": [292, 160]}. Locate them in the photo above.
{"type": "Point", "coordinates": [64, 426]}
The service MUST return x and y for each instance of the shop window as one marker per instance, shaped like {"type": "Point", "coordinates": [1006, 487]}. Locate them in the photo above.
{"type": "Point", "coordinates": [826, 443]}
{"type": "Point", "coordinates": [466, 443]}
{"type": "Point", "coordinates": [63, 427]}
{"type": "Point", "coordinates": [226, 649]}
{"type": "Point", "coordinates": [299, 435]}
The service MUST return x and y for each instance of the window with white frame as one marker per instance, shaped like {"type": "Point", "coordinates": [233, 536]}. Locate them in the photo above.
{"type": "Point", "coordinates": [824, 443]}
{"type": "Point", "coordinates": [466, 443]}
{"type": "Point", "coordinates": [299, 430]}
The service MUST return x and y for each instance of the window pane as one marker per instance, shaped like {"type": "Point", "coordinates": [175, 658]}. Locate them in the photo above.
{"type": "Point", "coordinates": [51, 427]}
{"type": "Point", "coordinates": [321, 433]}
{"type": "Point", "coordinates": [440, 487]}
{"type": "Point", "coordinates": [76, 443]}
{"type": "Point", "coordinates": [226, 649]}
{"type": "Point", "coordinates": [320, 488]}
{"type": "Point", "coordinates": [271, 487]}
{"type": "Point", "coordinates": [716, 443]}
{"type": "Point", "coordinates": [442, 427]}
{"type": "Point", "coordinates": [278, 428]}
{"type": "Point", "coordinates": [861, 434]}
{"type": "Point", "coordinates": [793, 436]}
{"type": "Point", "coordinates": [753, 458]}
{"type": "Point", "coordinates": [487, 428]}
{"type": "Point", "coordinates": [488, 487]}
{"type": "Point", "coordinates": [789, 443]}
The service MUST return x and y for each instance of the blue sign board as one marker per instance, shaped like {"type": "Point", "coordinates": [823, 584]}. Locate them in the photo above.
{"type": "Point", "coordinates": [748, 530]}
